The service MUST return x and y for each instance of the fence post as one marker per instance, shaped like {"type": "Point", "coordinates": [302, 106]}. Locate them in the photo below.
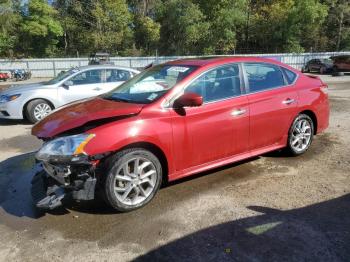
{"type": "Point", "coordinates": [130, 64]}
{"type": "Point", "coordinates": [54, 68]}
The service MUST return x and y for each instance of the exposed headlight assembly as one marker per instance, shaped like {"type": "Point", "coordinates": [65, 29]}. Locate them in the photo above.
{"type": "Point", "coordinates": [62, 149]}
{"type": "Point", "coordinates": [8, 98]}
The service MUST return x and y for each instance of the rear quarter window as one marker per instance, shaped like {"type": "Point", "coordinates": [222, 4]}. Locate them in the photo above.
{"type": "Point", "coordinates": [290, 75]}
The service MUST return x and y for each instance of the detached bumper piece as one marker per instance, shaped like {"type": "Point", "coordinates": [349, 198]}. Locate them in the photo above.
{"type": "Point", "coordinates": [48, 191]}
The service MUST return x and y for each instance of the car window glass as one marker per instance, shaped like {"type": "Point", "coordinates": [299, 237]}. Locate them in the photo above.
{"type": "Point", "coordinates": [263, 76]}
{"type": "Point", "coordinates": [290, 76]}
{"type": "Point", "coordinates": [87, 77]}
{"type": "Point", "coordinates": [217, 84]}
{"type": "Point", "coordinates": [151, 84]}
{"type": "Point", "coordinates": [116, 75]}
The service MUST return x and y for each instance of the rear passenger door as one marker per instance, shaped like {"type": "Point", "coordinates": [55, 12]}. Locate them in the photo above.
{"type": "Point", "coordinates": [272, 103]}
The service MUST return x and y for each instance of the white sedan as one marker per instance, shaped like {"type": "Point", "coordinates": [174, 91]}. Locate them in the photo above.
{"type": "Point", "coordinates": [35, 101]}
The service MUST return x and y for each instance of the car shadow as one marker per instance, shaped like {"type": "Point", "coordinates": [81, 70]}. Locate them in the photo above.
{"type": "Point", "coordinates": [319, 232]}
{"type": "Point", "coordinates": [17, 172]}
{"type": "Point", "coordinates": [15, 176]}
{"type": "Point", "coordinates": [13, 122]}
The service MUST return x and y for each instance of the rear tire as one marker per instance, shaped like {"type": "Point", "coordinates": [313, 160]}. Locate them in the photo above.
{"type": "Point", "coordinates": [133, 178]}
{"type": "Point", "coordinates": [322, 70]}
{"type": "Point", "coordinates": [300, 135]}
{"type": "Point", "coordinates": [37, 110]}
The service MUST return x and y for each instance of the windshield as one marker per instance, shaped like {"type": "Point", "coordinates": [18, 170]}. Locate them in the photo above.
{"type": "Point", "coordinates": [150, 85]}
{"type": "Point", "coordinates": [62, 76]}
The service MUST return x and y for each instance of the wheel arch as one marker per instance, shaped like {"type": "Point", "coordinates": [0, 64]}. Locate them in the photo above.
{"type": "Point", "coordinates": [32, 99]}
{"type": "Point", "coordinates": [313, 117]}
{"type": "Point", "coordinates": [157, 151]}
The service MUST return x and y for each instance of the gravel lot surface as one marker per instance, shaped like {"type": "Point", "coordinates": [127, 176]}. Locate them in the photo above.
{"type": "Point", "coordinates": [270, 208]}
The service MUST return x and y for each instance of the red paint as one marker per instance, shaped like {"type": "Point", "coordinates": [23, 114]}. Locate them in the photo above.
{"type": "Point", "coordinates": [202, 137]}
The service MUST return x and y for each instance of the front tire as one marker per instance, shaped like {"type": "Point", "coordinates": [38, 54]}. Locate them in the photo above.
{"type": "Point", "coordinates": [134, 177]}
{"type": "Point", "coordinates": [37, 110]}
{"type": "Point", "coordinates": [300, 135]}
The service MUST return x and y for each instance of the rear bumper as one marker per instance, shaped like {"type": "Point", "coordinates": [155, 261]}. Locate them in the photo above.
{"type": "Point", "coordinates": [48, 191]}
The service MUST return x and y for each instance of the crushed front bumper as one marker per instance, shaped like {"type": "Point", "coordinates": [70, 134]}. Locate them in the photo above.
{"type": "Point", "coordinates": [51, 185]}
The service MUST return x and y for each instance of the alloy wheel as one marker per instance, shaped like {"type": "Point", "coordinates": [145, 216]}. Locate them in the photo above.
{"type": "Point", "coordinates": [301, 135]}
{"type": "Point", "coordinates": [42, 110]}
{"type": "Point", "coordinates": [135, 181]}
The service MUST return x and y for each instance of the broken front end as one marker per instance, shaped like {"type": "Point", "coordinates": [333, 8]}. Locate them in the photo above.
{"type": "Point", "coordinates": [65, 172]}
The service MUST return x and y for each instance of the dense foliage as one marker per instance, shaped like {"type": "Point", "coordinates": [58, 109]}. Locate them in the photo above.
{"type": "Point", "coordinates": [42, 28]}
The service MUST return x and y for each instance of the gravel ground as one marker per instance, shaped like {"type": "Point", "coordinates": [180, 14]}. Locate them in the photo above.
{"type": "Point", "coordinates": [270, 208]}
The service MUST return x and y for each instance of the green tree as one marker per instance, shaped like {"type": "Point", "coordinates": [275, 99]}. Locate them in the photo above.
{"type": "Point", "coordinates": [110, 29]}
{"type": "Point", "coordinates": [226, 19]}
{"type": "Point", "coordinates": [184, 28]}
{"type": "Point", "coordinates": [146, 33]}
{"type": "Point", "coordinates": [40, 30]}
{"type": "Point", "coordinates": [338, 24]}
{"type": "Point", "coordinates": [287, 25]}
{"type": "Point", "coordinates": [91, 26]}
{"type": "Point", "coordinates": [9, 21]}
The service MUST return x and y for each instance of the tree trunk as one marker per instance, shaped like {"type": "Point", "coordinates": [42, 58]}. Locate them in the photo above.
{"type": "Point", "coordinates": [340, 29]}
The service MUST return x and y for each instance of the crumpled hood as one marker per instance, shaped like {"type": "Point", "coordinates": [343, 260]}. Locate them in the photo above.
{"type": "Point", "coordinates": [77, 114]}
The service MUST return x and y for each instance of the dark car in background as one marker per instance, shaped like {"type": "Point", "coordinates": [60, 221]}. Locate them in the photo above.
{"type": "Point", "coordinates": [341, 63]}
{"type": "Point", "coordinates": [321, 66]}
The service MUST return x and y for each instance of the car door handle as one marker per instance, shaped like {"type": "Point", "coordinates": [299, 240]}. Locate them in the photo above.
{"type": "Point", "coordinates": [288, 101]}
{"type": "Point", "coordinates": [97, 89]}
{"type": "Point", "coordinates": [238, 112]}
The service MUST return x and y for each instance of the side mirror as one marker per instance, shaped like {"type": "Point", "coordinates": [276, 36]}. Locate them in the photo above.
{"type": "Point", "coordinates": [67, 84]}
{"type": "Point", "coordinates": [189, 100]}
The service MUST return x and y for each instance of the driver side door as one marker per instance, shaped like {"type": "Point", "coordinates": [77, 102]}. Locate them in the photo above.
{"type": "Point", "coordinates": [217, 129]}
{"type": "Point", "coordinates": [83, 85]}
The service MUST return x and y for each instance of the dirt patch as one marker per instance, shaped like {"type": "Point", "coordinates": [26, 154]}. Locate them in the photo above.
{"type": "Point", "coordinates": [25, 143]}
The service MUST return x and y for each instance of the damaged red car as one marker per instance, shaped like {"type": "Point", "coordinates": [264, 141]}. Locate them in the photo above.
{"type": "Point", "coordinates": [171, 121]}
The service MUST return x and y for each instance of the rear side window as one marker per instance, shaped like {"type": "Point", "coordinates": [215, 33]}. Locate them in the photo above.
{"type": "Point", "coordinates": [290, 76]}
{"type": "Point", "coordinates": [263, 76]}
{"type": "Point", "coordinates": [116, 75]}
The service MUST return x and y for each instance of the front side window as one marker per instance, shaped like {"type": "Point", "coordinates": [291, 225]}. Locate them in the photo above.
{"type": "Point", "coordinates": [61, 76]}
{"type": "Point", "coordinates": [151, 84]}
{"type": "Point", "coordinates": [87, 77]}
{"type": "Point", "coordinates": [217, 84]}
{"type": "Point", "coordinates": [117, 75]}
{"type": "Point", "coordinates": [262, 76]}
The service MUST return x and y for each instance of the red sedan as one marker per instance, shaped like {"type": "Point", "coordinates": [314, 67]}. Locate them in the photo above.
{"type": "Point", "coordinates": [174, 120]}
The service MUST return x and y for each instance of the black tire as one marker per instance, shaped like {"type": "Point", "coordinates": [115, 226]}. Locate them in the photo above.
{"type": "Point", "coordinates": [29, 110]}
{"type": "Point", "coordinates": [112, 166]}
{"type": "Point", "coordinates": [290, 149]}
{"type": "Point", "coordinates": [323, 70]}
{"type": "Point", "coordinates": [336, 71]}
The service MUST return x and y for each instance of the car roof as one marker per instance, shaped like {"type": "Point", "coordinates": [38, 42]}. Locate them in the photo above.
{"type": "Point", "coordinates": [106, 66]}
{"type": "Point", "coordinates": [218, 60]}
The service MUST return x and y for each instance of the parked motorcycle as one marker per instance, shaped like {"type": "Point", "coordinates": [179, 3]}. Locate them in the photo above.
{"type": "Point", "coordinates": [21, 74]}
